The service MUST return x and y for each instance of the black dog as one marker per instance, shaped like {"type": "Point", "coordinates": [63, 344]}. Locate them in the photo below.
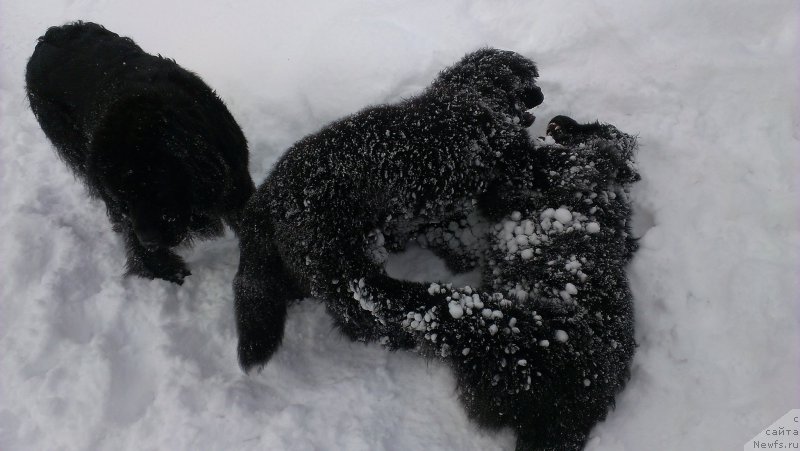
{"type": "Point", "coordinates": [323, 220]}
{"type": "Point", "coordinates": [146, 136]}
{"type": "Point", "coordinates": [546, 342]}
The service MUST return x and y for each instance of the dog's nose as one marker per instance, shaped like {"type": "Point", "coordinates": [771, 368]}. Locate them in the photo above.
{"type": "Point", "coordinates": [533, 97]}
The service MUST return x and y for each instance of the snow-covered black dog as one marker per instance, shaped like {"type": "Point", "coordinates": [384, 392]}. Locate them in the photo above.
{"type": "Point", "coordinates": [545, 343]}
{"type": "Point", "coordinates": [146, 136]}
{"type": "Point", "coordinates": [324, 218]}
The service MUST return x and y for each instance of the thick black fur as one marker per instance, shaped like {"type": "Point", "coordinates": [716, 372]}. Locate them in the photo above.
{"type": "Point", "coordinates": [325, 217]}
{"type": "Point", "coordinates": [146, 136]}
{"type": "Point", "coordinates": [546, 342]}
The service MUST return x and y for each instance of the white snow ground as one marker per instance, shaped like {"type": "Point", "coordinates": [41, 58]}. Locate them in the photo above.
{"type": "Point", "coordinates": [89, 360]}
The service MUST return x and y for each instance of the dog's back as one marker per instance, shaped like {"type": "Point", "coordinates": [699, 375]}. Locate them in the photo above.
{"type": "Point", "coordinates": [72, 61]}
{"type": "Point", "coordinates": [72, 69]}
{"type": "Point", "coordinates": [79, 73]}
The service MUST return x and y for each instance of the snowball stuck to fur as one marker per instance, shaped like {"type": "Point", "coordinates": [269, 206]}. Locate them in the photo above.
{"type": "Point", "coordinates": [592, 227]}
{"type": "Point", "coordinates": [563, 215]}
{"type": "Point", "coordinates": [571, 289]}
{"type": "Point", "coordinates": [456, 311]}
{"type": "Point", "coordinates": [527, 227]}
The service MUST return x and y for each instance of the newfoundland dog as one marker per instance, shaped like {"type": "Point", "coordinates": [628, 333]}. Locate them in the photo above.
{"type": "Point", "coordinates": [333, 206]}
{"type": "Point", "coordinates": [146, 136]}
{"type": "Point", "coordinates": [545, 343]}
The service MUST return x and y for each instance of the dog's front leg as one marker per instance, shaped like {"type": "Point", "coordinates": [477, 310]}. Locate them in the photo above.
{"type": "Point", "coordinates": [160, 263]}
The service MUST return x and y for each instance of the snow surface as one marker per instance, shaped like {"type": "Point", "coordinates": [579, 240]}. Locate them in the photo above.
{"type": "Point", "coordinates": [89, 360]}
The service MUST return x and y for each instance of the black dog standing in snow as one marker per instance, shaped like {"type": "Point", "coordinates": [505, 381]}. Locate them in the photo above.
{"type": "Point", "coordinates": [146, 136]}
{"type": "Point", "coordinates": [337, 200]}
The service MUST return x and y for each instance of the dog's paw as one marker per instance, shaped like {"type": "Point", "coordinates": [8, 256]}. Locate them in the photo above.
{"type": "Point", "coordinates": [177, 276]}
{"type": "Point", "coordinates": [159, 264]}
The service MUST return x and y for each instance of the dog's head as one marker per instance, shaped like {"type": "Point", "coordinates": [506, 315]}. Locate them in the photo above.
{"type": "Point", "coordinates": [153, 194]}
{"type": "Point", "coordinates": [617, 147]}
{"type": "Point", "coordinates": [569, 132]}
{"type": "Point", "coordinates": [505, 80]}
{"type": "Point", "coordinates": [159, 175]}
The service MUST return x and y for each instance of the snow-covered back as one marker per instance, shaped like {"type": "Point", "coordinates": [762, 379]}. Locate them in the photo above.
{"type": "Point", "coordinates": [89, 360]}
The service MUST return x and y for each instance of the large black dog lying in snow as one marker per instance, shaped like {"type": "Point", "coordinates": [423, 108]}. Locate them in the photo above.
{"type": "Point", "coordinates": [146, 136]}
{"type": "Point", "coordinates": [338, 199]}
{"type": "Point", "coordinates": [546, 342]}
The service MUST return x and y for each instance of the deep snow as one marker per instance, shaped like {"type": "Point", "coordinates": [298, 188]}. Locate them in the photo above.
{"type": "Point", "coordinates": [89, 360]}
